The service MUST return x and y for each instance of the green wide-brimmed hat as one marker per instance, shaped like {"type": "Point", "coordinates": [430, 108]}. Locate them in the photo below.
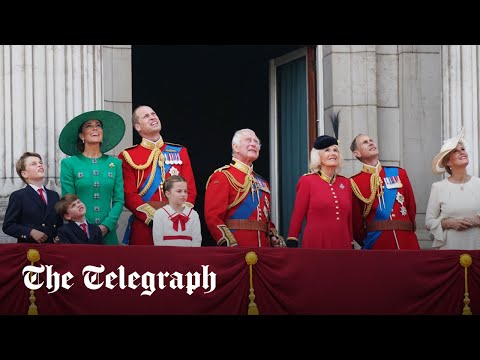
{"type": "Point", "coordinates": [113, 131]}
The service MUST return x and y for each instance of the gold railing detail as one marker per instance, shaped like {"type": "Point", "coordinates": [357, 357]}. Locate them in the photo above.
{"type": "Point", "coordinates": [33, 256]}
{"type": "Point", "coordinates": [466, 261]}
{"type": "Point", "coordinates": [251, 258]}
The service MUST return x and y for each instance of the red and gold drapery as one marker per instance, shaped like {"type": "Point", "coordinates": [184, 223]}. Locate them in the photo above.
{"type": "Point", "coordinates": [282, 281]}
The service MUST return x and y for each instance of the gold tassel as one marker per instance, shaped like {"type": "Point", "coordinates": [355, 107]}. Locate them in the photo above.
{"type": "Point", "coordinates": [33, 256]}
{"type": "Point", "coordinates": [251, 258]}
{"type": "Point", "coordinates": [466, 261]}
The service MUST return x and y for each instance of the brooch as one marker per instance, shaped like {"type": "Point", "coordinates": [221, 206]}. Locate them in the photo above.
{"type": "Point", "coordinates": [112, 165]}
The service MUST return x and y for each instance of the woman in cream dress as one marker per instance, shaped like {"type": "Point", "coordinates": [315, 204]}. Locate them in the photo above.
{"type": "Point", "coordinates": [453, 211]}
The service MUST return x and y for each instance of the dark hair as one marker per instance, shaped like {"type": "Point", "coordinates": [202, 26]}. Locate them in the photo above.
{"type": "Point", "coordinates": [354, 145]}
{"type": "Point", "coordinates": [62, 205]}
{"type": "Point", "coordinates": [168, 184]}
{"type": "Point", "coordinates": [135, 116]}
{"type": "Point", "coordinates": [80, 142]}
{"type": "Point", "coordinates": [20, 164]}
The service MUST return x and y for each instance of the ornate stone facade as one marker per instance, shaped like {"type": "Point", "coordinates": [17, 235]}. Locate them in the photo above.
{"type": "Point", "coordinates": [408, 97]}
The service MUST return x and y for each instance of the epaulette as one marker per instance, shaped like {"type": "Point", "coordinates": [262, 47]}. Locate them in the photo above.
{"type": "Point", "coordinates": [131, 147]}
{"type": "Point", "coordinates": [225, 167]}
{"type": "Point", "coordinates": [169, 143]}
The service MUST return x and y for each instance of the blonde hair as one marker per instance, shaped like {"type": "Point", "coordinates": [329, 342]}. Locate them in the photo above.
{"type": "Point", "coordinates": [316, 156]}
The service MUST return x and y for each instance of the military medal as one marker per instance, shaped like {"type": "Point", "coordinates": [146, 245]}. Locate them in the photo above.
{"type": "Point", "coordinates": [173, 171]}
{"type": "Point", "coordinates": [173, 158]}
{"type": "Point", "coordinates": [401, 199]}
{"type": "Point", "coordinates": [393, 182]}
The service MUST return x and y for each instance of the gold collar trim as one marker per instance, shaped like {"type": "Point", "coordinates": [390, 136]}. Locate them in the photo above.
{"type": "Point", "coordinates": [326, 178]}
{"type": "Point", "coordinates": [241, 166]}
{"type": "Point", "coordinates": [152, 145]}
{"type": "Point", "coordinates": [372, 169]}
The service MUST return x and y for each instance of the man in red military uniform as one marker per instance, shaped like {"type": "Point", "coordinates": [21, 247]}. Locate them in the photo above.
{"type": "Point", "coordinates": [384, 205]}
{"type": "Point", "coordinates": [145, 167]}
{"type": "Point", "coordinates": [237, 200]}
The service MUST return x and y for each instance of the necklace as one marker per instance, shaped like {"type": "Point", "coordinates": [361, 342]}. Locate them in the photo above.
{"type": "Point", "coordinates": [462, 183]}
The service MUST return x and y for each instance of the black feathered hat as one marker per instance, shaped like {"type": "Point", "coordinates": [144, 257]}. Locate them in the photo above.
{"type": "Point", "coordinates": [324, 141]}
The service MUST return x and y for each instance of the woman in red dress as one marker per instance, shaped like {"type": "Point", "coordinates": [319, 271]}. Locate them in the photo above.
{"type": "Point", "coordinates": [324, 200]}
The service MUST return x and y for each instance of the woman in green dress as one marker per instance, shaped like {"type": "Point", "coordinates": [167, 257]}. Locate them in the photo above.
{"type": "Point", "coordinates": [91, 174]}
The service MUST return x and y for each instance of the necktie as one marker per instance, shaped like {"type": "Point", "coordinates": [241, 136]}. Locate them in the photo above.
{"type": "Point", "coordinates": [40, 191]}
{"type": "Point", "coordinates": [84, 228]}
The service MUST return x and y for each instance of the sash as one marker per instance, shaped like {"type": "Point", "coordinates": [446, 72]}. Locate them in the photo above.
{"type": "Point", "coordinates": [382, 213]}
{"type": "Point", "coordinates": [247, 207]}
{"type": "Point", "coordinates": [157, 181]}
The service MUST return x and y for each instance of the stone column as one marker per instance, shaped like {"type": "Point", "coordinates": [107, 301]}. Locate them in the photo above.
{"type": "Point", "coordinates": [117, 80]}
{"type": "Point", "coordinates": [460, 97]}
{"type": "Point", "coordinates": [42, 88]}
{"type": "Point", "coordinates": [350, 85]}
{"type": "Point", "coordinates": [419, 124]}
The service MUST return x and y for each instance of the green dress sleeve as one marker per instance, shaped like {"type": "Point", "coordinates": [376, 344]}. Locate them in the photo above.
{"type": "Point", "coordinates": [117, 196]}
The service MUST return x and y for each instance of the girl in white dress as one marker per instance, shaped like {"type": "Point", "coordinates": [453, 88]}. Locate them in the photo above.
{"type": "Point", "coordinates": [176, 224]}
{"type": "Point", "coordinates": [453, 211]}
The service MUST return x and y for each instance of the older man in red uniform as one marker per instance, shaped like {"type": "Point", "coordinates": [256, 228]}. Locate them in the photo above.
{"type": "Point", "coordinates": [237, 200]}
{"type": "Point", "coordinates": [145, 167]}
{"type": "Point", "coordinates": [384, 205]}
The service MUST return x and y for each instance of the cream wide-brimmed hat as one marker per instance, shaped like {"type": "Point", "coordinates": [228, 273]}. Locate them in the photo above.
{"type": "Point", "coordinates": [448, 145]}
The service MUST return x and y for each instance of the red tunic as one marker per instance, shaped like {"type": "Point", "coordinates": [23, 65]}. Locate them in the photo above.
{"type": "Point", "coordinates": [407, 239]}
{"type": "Point", "coordinates": [220, 193]}
{"type": "Point", "coordinates": [133, 179]}
{"type": "Point", "coordinates": [328, 212]}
